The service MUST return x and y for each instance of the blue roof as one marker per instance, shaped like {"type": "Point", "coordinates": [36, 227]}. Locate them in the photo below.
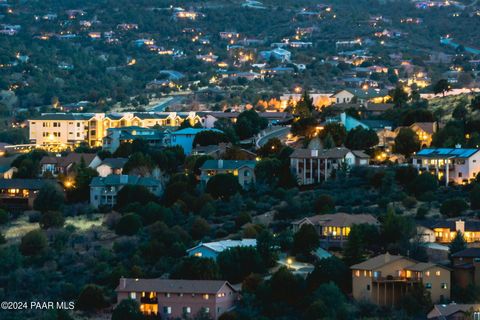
{"type": "Point", "coordinates": [447, 152]}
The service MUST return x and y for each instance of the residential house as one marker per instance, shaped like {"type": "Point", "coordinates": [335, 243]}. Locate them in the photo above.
{"type": "Point", "coordinates": [334, 229]}
{"type": "Point", "coordinates": [117, 136]}
{"type": "Point", "coordinates": [446, 230]}
{"type": "Point", "coordinates": [312, 166]}
{"type": "Point", "coordinates": [19, 194]}
{"type": "Point", "coordinates": [111, 166]}
{"type": "Point", "coordinates": [6, 169]}
{"type": "Point", "coordinates": [424, 131]}
{"type": "Point", "coordinates": [385, 279]}
{"type": "Point", "coordinates": [104, 190]}
{"type": "Point", "coordinates": [175, 299]}
{"type": "Point", "coordinates": [277, 54]}
{"type": "Point", "coordinates": [185, 137]}
{"type": "Point", "coordinates": [213, 249]}
{"type": "Point", "coordinates": [244, 170]}
{"type": "Point", "coordinates": [457, 165]}
{"type": "Point", "coordinates": [363, 96]}
{"type": "Point", "coordinates": [466, 267]}
{"type": "Point", "coordinates": [62, 165]}
{"type": "Point", "coordinates": [218, 151]}
{"type": "Point", "coordinates": [454, 311]}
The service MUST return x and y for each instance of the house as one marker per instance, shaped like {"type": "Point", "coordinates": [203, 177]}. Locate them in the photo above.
{"type": "Point", "coordinates": [213, 249]}
{"type": "Point", "coordinates": [312, 166]}
{"type": "Point", "coordinates": [350, 123]}
{"type": "Point", "coordinates": [244, 170]}
{"type": "Point", "coordinates": [104, 190]}
{"type": "Point", "coordinates": [117, 136]}
{"type": "Point", "coordinates": [6, 169]}
{"type": "Point", "coordinates": [111, 166]}
{"type": "Point", "coordinates": [334, 229]}
{"type": "Point", "coordinates": [457, 165]}
{"type": "Point", "coordinates": [454, 311]}
{"type": "Point", "coordinates": [277, 54]}
{"type": "Point", "coordinates": [218, 151]}
{"type": "Point", "coordinates": [62, 165]}
{"type": "Point", "coordinates": [354, 95]}
{"type": "Point", "coordinates": [446, 230]}
{"type": "Point", "coordinates": [424, 131]}
{"type": "Point", "coordinates": [185, 137]}
{"type": "Point", "coordinates": [175, 299]}
{"type": "Point", "coordinates": [466, 267]}
{"type": "Point", "coordinates": [19, 194]}
{"type": "Point", "coordinates": [385, 279]}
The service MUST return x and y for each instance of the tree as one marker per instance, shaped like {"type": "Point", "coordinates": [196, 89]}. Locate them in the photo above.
{"type": "Point", "coordinates": [237, 263]}
{"type": "Point", "coordinates": [304, 127]}
{"type": "Point", "coordinates": [127, 309]}
{"type": "Point", "coordinates": [453, 207]}
{"type": "Point", "coordinates": [223, 186]}
{"type": "Point", "coordinates": [361, 139]}
{"type": "Point", "coordinates": [475, 103]}
{"type": "Point", "coordinates": [417, 301]}
{"type": "Point", "coordinates": [209, 137]}
{"type": "Point", "coordinates": [128, 224]}
{"type": "Point", "coordinates": [406, 142]}
{"type": "Point", "coordinates": [91, 298]}
{"type": "Point", "coordinates": [134, 194]}
{"type": "Point", "coordinates": [422, 184]}
{"type": "Point", "coordinates": [336, 131]}
{"type": "Point", "coordinates": [475, 197]}
{"type": "Point", "coordinates": [195, 268]}
{"type": "Point", "coordinates": [304, 107]}
{"type": "Point", "coordinates": [305, 240]}
{"type": "Point", "coordinates": [79, 190]}
{"type": "Point", "coordinates": [460, 112]}
{"type": "Point", "coordinates": [458, 243]}
{"type": "Point", "coordinates": [330, 270]}
{"type": "Point", "coordinates": [4, 216]}
{"type": "Point", "coordinates": [33, 243]}
{"type": "Point", "coordinates": [270, 149]}
{"type": "Point", "coordinates": [442, 86]}
{"type": "Point", "coordinates": [399, 96]}
{"type": "Point", "coordinates": [51, 219]}
{"type": "Point", "coordinates": [324, 204]}
{"type": "Point", "coordinates": [268, 171]}
{"type": "Point", "coordinates": [265, 247]}
{"type": "Point", "coordinates": [329, 303]}
{"type": "Point", "coordinates": [139, 164]}
{"type": "Point", "coordinates": [200, 228]}
{"type": "Point", "coordinates": [396, 229]}
{"type": "Point", "coordinates": [249, 123]}
{"type": "Point", "coordinates": [404, 175]}
{"type": "Point", "coordinates": [49, 197]}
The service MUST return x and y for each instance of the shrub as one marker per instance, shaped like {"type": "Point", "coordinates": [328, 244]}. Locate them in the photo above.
{"type": "Point", "coordinates": [91, 298]}
{"type": "Point", "coordinates": [4, 216]}
{"type": "Point", "coordinates": [422, 212]}
{"type": "Point", "coordinates": [33, 243]}
{"type": "Point", "coordinates": [453, 207]}
{"type": "Point", "coordinates": [128, 225]}
{"type": "Point", "coordinates": [409, 202]}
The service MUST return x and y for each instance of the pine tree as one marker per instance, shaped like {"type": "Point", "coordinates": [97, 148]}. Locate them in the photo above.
{"type": "Point", "coordinates": [458, 243]}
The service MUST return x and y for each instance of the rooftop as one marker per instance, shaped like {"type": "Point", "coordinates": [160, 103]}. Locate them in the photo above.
{"type": "Point", "coordinates": [446, 152]}
{"type": "Point", "coordinates": [220, 246]}
{"type": "Point", "coordinates": [172, 286]}
{"type": "Point", "coordinates": [227, 164]}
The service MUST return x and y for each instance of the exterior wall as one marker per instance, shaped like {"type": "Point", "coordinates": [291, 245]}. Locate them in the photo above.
{"type": "Point", "coordinates": [183, 140]}
{"type": "Point", "coordinates": [45, 132]}
{"type": "Point", "coordinates": [104, 170]}
{"type": "Point", "coordinates": [245, 175]}
{"type": "Point", "coordinates": [203, 252]}
{"type": "Point", "coordinates": [436, 281]}
{"type": "Point", "coordinates": [177, 304]}
{"type": "Point", "coordinates": [343, 97]}
{"type": "Point", "coordinates": [460, 170]}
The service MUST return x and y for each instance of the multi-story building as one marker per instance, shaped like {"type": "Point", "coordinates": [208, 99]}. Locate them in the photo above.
{"type": "Point", "coordinates": [446, 230]}
{"type": "Point", "coordinates": [385, 279]}
{"type": "Point", "coordinates": [175, 299]}
{"type": "Point", "coordinates": [116, 136]}
{"type": "Point", "coordinates": [104, 190]}
{"type": "Point", "coordinates": [311, 166]}
{"type": "Point", "coordinates": [19, 194]}
{"type": "Point", "coordinates": [62, 129]}
{"type": "Point", "coordinates": [244, 170]}
{"type": "Point", "coordinates": [457, 165]}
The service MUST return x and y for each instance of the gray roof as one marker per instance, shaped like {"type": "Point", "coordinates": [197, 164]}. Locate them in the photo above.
{"type": "Point", "coordinates": [114, 162]}
{"type": "Point", "coordinates": [63, 116]}
{"type": "Point", "coordinates": [29, 184]}
{"type": "Point", "coordinates": [227, 164]}
{"type": "Point", "coordinates": [121, 180]}
{"type": "Point", "coordinates": [172, 286]}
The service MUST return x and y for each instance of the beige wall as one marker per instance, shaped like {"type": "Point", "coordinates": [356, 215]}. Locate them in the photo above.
{"type": "Point", "coordinates": [430, 276]}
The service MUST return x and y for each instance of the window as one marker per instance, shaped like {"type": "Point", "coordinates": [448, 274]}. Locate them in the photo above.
{"type": "Point", "coordinates": [428, 285]}
{"type": "Point", "coordinates": [476, 259]}
{"type": "Point", "coordinates": [167, 295]}
{"type": "Point", "coordinates": [427, 273]}
{"type": "Point", "coordinates": [180, 294]}
{"type": "Point", "coordinates": [187, 310]}
{"type": "Point", "coordinates": [197, 254]}
{"type": "Point", "coordinates": [206, 296]}
{"type": "Point", "coordinates": [368, 287]}
{"type": "Point", "coordinates": [78, 124]}
{"type": "Point", "coordinates": [459, 174]}
{"type": "Point", "coordinates": [206, 310]}
{"type": "Point", "coordinates": [476, 315]}
{"type": "Point", "coordinates": [133, 295]}
{"type": "Point", "coordinates": [437, 273]}
{"type": "Point", "coordinates": [444, 285]}
{"type": "Point", "coordinates": [221, 295]}
{"type": "Point", "coordinates": [167, 310]}
{"type": "Point", "coordinates": [357, 273]}
{"type": "Point", "coordinates": [377, 274]}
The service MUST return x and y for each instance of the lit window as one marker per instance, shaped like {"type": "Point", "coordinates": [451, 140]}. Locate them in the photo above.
{"type": "Point", "coordinates": [206, 296]}
{"type": "Point", "coordinates": [167, 310]}
{"type": "Point", "coordinates": [167, 295]}
{"type": "Point", "coordinates": [207, 310]}
{"type": "Point", "coordinates": [198, 254]}
{"type": "Point", "coordinates": [444, 285]}
{"type": "Point", "coordinates": [133, 295]}
{"type": "Point", "coordinates": [357, 273]}
{"type": "Point", "coordinates": [427, 273]}
{"type": "Point", "coordinates": [187, 310]}
{"type": "Point", "coordinates": [437, 273]}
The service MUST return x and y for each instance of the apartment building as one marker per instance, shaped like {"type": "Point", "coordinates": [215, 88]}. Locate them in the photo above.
{"type": "Point", "coordinates": [385, 279]}
{"type": "Point", "coordinates": [62, 129]}
{"type": "Point", "coordinates": [179, 299]}
{"type": "Point", "coordinates": [457, 165]}
{"type": "Point", "coordinates": [313, 166]}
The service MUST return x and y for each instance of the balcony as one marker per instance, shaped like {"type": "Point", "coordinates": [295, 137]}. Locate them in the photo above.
{"type": "Point", "coordinates": [388, 279]}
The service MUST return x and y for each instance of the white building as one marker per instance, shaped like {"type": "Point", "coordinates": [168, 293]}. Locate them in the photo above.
{"type": "Point", "coordinates": [457, 165]}
{"type": "Point", "coordinates": [213, 249]}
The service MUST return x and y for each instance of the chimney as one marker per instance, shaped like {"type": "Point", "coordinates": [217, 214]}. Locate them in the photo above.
{"type": "Point", "coordinates": [387, 257]}
{"type": "Point", "coordinates": [314, 152]}
{"type": "Point", "coordinates": [460, 226]}
{"type": "Point", "coordinates": [220, 163]}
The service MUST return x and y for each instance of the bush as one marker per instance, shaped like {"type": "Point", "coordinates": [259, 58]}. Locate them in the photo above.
{"type": "Point", "coordinates": [50, 197]}
{"type": "Point", "coordinates": [409, 202]}
{"type": "Point", "coordinates": [127, 310]}
{"type": "Point", "coordinates": [128, 225]}
{"type": "Point", "coordinates": [453, 207]}
{"type": "Point", "coordinates": [33, 243]}
{"type": "Point", "coordinates": [4, 216]}
{"type": "Point", "coordinates": [422, 212]}
{"type": "Point", "coordinates": [324, 204]}
{"type": "Point", "coordinates": [51, 219]}
{"type": "Point", "coordinates": [91, 298]}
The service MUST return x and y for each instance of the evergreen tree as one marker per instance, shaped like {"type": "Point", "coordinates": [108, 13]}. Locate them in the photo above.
{"type": "Point", "coordinates": [458, 243]}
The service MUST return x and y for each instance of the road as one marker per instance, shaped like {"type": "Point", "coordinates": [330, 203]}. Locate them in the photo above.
{"type": "Point", "coordinates": [280, 133]}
